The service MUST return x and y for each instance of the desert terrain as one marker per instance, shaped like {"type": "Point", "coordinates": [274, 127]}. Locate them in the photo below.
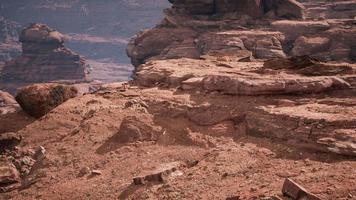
{"type": "Point", "coordinates": [228, 100]}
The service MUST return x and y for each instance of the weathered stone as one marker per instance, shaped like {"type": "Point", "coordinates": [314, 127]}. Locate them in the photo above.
{"type": "Point", "coordinates": [133, 130]}
{"type": "Point", "coordinates": [159, 175]}
{"type": "Point", "coordinates": [310, 45]}
{"type": "Point", "coordinates": [152, 42]}
{"type": "Point", "coordinates": [310, 126]}
{"type": "Point", "coordinates": [290, 9]}
{"type": "Point", "coordinates": [38, 99]}
{"type": "Point", "coordinates": [190, 30]}
{"type": "Point", "coordinates": [307, 65]}
{"type": "Point", "coordinates": [295, 191]}
{"type": "Point", "coordinates": [263, 86]}
{"type": "Point", "coordinates": [295, 29]}
{"type": "Point", "coordinates": [96, 172]}
{"type": "Point", "coordinates": [8, 177]}
{"type": "Point", "coordinates": [8, 103]}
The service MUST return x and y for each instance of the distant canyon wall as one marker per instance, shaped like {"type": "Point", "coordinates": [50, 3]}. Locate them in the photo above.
{"type": "Point", "coordinates": [94, 22]}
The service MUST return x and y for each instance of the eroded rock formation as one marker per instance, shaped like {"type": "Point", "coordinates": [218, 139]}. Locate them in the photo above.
{"type": "Point", "coordinates": [44, 59]}
{"type": "Point", "coordinates": [263, 29]}
{"type": "Point", "coordinates": [237, 126]}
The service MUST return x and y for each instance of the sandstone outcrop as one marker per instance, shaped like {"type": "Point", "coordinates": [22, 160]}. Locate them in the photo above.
{"type": "Point", "coordinates": [264, 29]}
{"type": "Point", "coordinates": [44, 59]}
{"type": "Point", "coordinates": [38, 99]}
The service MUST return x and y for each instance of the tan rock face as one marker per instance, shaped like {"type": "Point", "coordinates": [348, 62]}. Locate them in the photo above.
{"type": "Point", "coordinates": [44, 59]}
{"type": "Point", "coordinates": [37, 100]}
{"type": "Point", "coordinates": [7, 103]}
{"type": "Point", "coordinates": [263, 29]}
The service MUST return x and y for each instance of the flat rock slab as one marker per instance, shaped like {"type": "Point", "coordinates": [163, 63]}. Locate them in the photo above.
{"type": "Point", "coordinates": [315, 124]}
{"type": "Point", "coordinates": [159, 175]}
{"type": "Point", "coordinates": [297, 192]}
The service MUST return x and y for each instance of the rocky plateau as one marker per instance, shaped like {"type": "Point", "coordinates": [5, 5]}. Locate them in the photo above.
{"type": "Point", "coordinates": [229, 100]}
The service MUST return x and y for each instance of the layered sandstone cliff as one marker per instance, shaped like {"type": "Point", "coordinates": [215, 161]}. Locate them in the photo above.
{"type": "Point", "coordinates": [44, 59]}
{"type": "Point", "coordinates": [253, 29]}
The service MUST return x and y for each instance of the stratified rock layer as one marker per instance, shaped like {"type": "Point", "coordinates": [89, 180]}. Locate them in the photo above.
{"type": "Point", "coordinates": [260, 29]}
{"type": "Point", "coordinates": [44, 59]}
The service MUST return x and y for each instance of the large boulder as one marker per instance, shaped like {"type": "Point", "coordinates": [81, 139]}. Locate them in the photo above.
{"type": "Point", "coordinates": [38, 99]}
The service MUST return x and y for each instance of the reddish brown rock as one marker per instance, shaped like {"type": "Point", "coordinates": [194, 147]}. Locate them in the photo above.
{"type": "Point", "coordinates": [310, 46]}
{"type": "Point", "coordinates": [154, 43]}
{"type": "Point", "coordinates": [9, 177]}
{"type": "Point", "coordinates": [38, 99]}
{"type": "Point", "coordinates": [296, 192]}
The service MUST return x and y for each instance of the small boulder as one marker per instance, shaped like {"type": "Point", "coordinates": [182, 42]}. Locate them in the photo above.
{"type": "Point", "coordinates": [38, 99]}
{"type": "Point", "coordinates": [8, 177]}
{"type": "Point", "coordinates": [295, 191]}
{"type": "Point", "coordinates": [158, 175]}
